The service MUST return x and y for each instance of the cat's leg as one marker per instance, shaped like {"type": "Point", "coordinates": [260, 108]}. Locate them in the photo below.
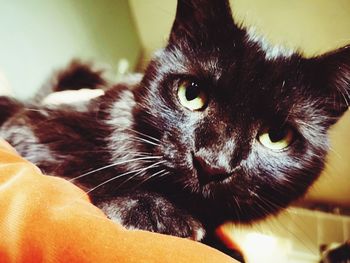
{"type": "Point", "coordinates": [152, 212]}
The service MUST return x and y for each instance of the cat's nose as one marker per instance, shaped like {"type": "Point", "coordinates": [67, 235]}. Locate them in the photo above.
{"type": "Point", "coordinates": [208, 172]}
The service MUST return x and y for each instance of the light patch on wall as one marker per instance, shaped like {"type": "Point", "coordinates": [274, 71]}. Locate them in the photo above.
{"type": "Point", "coordinates": [5, 88]}
{"type": "Point", "coordinates": [123, 67]}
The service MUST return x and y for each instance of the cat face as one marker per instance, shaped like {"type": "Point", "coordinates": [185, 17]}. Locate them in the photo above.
{"type": "Point", "coordinates": [239, 122]}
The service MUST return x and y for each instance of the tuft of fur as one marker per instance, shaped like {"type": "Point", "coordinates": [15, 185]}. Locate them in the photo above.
{"type": "Point", "coordinates": [77, 75]}
{"type": "Point", "coordinates": [8, 107]}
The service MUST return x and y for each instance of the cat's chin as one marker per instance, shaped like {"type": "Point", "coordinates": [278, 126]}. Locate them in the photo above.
{"type": "Point", "coordinates": [236, 204]}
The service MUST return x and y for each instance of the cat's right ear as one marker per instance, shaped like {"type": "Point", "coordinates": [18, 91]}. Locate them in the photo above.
{"type": "Point", "coordinates": [330, 74]}
{"type": "Point", "coordinates": [202, 23]}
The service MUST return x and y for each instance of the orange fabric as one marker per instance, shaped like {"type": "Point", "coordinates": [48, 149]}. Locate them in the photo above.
{"type": "Point", "coordinates": [226, 239]}
{"type": "Point", "coordinates": [48, 219]}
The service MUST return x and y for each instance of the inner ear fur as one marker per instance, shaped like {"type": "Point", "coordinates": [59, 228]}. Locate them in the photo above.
{"type": "Point", "coordinates": [203, 22]}
{"type": "Point", "coordinates": [330, 75]}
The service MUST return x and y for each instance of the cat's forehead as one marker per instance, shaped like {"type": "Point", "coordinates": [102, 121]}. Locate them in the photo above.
{"type": "Point", "coordinates": [251, 60]}
{"type": "Point", "coordinates": [196, 63]}
{"type": "Point", "coordinates": [251, 50]}
{"type": "Point", "coordinates": [242, 79]}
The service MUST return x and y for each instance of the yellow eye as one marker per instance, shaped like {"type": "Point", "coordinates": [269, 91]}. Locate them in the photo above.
{"type": "Point", "coordinates": [277, 138]}
{"type": "Point", "coordinates": [191, 96]}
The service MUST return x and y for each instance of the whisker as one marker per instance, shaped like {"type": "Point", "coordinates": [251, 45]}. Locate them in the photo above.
{"type": "Point", "coordinates": [144, 169]}
{"type": "Point", "coordinates": [268, 204]}
{"type": "Point", "coordinates": [159, 174]}
{"type": "Point", "coordinates": [111, 179]}
{"type": "Point", "coordinates": [335, 153]}
{"type": "Point", "coordinates": [144, 140]}
{"type": "Point", "coordinates": [345, 95]}
{"type": "Point", "coordinates": [115, 164]}
{"type": "Point", "coordinates": [164, 174]}
{"type": "Point", "coordinates": [139, 139]}
{"type": "Point", "coordinates": [237, 208]}
{"type": "Point", "coordinates": [108, 151]}
{"type": "Point", "coordinates": [138, 171]}
{"type": "Point", "coordinates": [36, 110]}
{"type": "Point", "coordinates": [140, 133]}
{"type": "Point", "coordinates": [152, 176]}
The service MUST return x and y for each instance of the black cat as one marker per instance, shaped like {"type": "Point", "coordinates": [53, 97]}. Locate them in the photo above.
{"type": "Point", "coordinates": [335, 253]}
{"type": "Point", "coordinates": [222, 127]}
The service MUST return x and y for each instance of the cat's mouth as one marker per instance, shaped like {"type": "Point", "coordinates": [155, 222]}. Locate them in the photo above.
{"type": "Point", "coordinates": [207, 174]}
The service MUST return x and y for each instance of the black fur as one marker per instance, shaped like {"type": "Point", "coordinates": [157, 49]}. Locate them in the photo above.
{"type": "Point", "coordinates": [147, 124]}
{"type": "Point", "coordinates": [8, 108]}
{"type": "Point", "coordinates": [335, 253]}
{"type": "Point", "coordinates": [78, 75]}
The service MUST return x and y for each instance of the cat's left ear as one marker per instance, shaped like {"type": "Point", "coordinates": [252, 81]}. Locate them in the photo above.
{"type": "Point", "coordinates": [202, 23]}
{"type": "Point", "coordinates": [330, 74]}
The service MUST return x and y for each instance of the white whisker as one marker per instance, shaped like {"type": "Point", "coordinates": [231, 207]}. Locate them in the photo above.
{"type": "Point", "coordinates": [138, 171]}
{"type": "Point", "coordinates": [144, 140]}
{"type": "Point", "coordinates": [115, 164]}
{"type": "Point", "coordinates": [111, 179]}
{"type": "Point", "coordinates": [140, 133]}
{"type": "Point", "coordinates": [144, 169]}
{"type": "Point", "coordinates": [152, 176]}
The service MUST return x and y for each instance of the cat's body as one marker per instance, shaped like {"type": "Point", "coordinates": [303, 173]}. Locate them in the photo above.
{"type": "Point", "coordinates": [220, 128]}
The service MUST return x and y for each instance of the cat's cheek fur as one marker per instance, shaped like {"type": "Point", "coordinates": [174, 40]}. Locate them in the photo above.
{"type": "Point", "coordinates": [121, 121]}
{"type": "Point", "coordinates": [25, 142]}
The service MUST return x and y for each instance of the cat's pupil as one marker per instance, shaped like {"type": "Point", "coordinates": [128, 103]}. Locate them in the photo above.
{"type": "Point", "coordinates": [192, 92]}
{"type": "Point", "coordinates": [277, 134]}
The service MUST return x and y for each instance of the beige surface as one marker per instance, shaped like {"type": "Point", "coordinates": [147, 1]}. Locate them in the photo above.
{"type": "Point", "coordinates": [312, 26]}
{"type": "Point", "coordinates": [293, 236]}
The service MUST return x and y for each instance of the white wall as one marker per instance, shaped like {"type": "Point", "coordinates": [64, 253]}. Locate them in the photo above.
{"type": "Point", "coordinates": [37, 36]}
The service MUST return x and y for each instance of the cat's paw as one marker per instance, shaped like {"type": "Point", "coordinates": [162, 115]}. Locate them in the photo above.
{"type": "Point", "coordinates": [152, 212]}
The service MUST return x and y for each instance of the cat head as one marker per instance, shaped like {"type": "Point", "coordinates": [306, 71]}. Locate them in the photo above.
{"type": "Point", "coordinates": [241, 124]}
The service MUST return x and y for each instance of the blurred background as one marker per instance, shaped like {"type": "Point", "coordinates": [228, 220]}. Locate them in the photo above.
{"type": "Point", "coordinates": [39, 36]}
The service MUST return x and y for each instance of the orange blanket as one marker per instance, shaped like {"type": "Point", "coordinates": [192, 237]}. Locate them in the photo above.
{"type": "Point", "coordinates": [48, 219]}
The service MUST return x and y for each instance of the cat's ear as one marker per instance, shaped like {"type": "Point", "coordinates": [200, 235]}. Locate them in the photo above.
{"type": "Point", "coordinates": [330, 73]}
{"type": "Point", "coordinates": [202, 22]}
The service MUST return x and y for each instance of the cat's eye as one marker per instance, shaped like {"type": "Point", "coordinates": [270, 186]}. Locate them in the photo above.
{"type": "Point", "coordinates": [277, 138]}
{"type": "Point", "coordinates": [192, 96]}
